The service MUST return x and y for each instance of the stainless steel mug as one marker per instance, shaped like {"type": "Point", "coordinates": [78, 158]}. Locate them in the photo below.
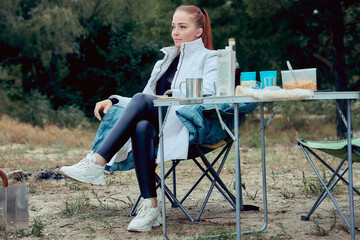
{"type": "Point", "coordinates": [194, 87]}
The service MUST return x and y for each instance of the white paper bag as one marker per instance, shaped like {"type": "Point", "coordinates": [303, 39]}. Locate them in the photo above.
{"type": "Point", "coordinates": [226, 73]}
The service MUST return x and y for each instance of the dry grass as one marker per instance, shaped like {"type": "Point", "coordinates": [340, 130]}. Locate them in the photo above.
{"type": "Point", "coordinates": [290, 182]}
{"type": "Point", "coordinates": [26, 147]}
{"type": "Point", "coordinates": [15, 132]}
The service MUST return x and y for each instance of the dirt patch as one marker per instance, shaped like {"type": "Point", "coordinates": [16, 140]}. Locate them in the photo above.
{"type": "Point", "coordinates": [69, 210]}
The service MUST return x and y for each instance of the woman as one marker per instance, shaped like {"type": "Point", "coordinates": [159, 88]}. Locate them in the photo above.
{"type": "Point", "coordinates": [190, 57]}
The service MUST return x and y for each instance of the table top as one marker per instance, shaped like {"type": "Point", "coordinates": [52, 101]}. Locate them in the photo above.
{"type": "Point", "coordinates": [239, 99]}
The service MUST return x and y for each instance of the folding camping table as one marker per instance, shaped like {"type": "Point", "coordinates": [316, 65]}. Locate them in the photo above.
{"type": "Point", "coordinates": [235, 100]}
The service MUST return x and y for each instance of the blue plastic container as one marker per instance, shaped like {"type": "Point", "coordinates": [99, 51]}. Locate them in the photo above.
{"type": "Point", "coordinates": [267, 74]}
{"type": "Point", "coordinates": [248, 79]}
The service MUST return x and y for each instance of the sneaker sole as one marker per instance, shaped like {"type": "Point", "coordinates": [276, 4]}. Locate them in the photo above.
{"type": "Point", "coordinates": [140, 230]}
{"type": "Point", "coordinates": [67, 176]}
{"type": "Point", "coordinates": [158, 222]}
{"type": "Point", "coordinates": [155, 224]}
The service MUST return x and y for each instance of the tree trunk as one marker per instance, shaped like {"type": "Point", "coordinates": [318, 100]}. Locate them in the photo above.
{"type": "Point", "coordinates": [27, 81]}
{"type": "Point", "coordinates": [53, 71]}
{"type": "Point", "coordinates": [337, 29]}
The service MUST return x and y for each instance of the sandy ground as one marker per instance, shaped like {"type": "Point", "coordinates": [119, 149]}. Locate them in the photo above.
{"type": "Point", "coordinates": [69, 210]}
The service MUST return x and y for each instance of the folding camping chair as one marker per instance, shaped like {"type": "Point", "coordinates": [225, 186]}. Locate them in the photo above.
{"type": "Point", "coordinates": [207, 168]}
{"type": "Point", "coordinates": [197, 154]}
{"type": "Point", "coordinates": [337, 149]}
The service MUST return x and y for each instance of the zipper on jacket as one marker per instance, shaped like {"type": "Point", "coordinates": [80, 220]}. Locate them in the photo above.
{"type": "Point", "coordinates": [178, 70]}
{"type": "Point", "coordinates": [156, 77]}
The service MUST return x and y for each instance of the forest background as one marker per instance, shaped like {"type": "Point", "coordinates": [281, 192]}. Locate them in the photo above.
{"type": "Point", "coordinates": [58, 58]}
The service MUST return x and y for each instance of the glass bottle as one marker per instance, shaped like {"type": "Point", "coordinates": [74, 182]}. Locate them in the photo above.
{"type": "Point", "coordinates": [237, 66]}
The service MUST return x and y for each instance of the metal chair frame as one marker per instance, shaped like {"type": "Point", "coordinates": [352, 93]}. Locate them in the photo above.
{"type": "Point", "coordinates": [208, 170]}
{"type": "Point", "coordinates": [331, 183]}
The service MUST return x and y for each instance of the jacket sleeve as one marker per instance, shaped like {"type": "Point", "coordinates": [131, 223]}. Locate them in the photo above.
{"type": "Point", "coordinates": [210, 74]}
{"type": "Point", "coordinates": [123, 101]}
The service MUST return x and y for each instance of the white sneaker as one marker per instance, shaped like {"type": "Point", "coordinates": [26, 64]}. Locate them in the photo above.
{"type": "Point", "coordinates": [86, 171]}
{"type": "Point", "coordinates": [146, 218]}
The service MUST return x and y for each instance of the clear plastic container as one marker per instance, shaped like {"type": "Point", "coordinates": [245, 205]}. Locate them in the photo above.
{"type": "Point", "coordinates": [299, 78]}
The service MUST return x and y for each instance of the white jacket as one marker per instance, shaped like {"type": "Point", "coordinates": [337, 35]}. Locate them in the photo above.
{"type": "Point", "coordinates": [195, 61]}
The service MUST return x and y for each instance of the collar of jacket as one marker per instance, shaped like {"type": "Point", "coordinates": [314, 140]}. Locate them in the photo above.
{"type": "Point", "coordinates": [188, 47]}
{"type": "Point", "coordinates": [171, 52]}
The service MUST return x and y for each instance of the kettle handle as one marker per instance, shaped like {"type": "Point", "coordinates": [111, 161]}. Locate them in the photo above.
{"type": "Point", "coordinates": [4, 179]}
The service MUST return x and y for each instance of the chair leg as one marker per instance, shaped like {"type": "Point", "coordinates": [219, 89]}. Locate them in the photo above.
{"type": "Point", "coordinates": [157, 178]}
{"type": "Point", "coordinates": [213, 184]}
{"type": "Point", "coordinates": [228, 195]}
{"type": "Point", "coordinates": [331, 169]}
{"type": "Point", "coordinates": [323, 194]}
{"type": "Point", "coordinates": [133, 209]}
{"type": "Point", "coordinates": [214, 179]}
{"type": "Point", "coordinates": [175, 163]}
{"type": "Point", "coordinates": [176, 202]}
{"type": "Point", "coordinates": [325, 185]}
{"type": "Point", "coordinates": [170, 196]}
{"type": "Point", "coordinates": [215, 175]}
{"type": "Point", "coordinates": [209, 168]}
{"type": "Point", "coordinates": [198, 180]}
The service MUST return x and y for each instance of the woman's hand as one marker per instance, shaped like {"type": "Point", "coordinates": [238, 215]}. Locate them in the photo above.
{"type": "Point", "coordinates": [102, 105]}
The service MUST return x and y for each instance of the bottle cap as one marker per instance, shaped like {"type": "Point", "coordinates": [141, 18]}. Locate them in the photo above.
{"type": "Point", "coordinates": [232, 41]}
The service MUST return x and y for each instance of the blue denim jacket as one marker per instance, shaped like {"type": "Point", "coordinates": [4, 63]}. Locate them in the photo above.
{"type": "Point", "coordinates": [104, 129]}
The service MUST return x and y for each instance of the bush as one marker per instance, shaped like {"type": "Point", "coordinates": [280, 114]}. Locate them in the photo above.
{"type": "Point", "coordinates": [4, 106]}
{"type": "Point", "coordinates": [70, 117]}
{"type": "Point", "coordinates": [36, 109]}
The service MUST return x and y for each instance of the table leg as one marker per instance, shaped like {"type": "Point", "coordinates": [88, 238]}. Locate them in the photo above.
{"type": "Point", "coordinates": [263, 126]}
{"type": "Point", "coordinates": [161, 155]}
{"type": "Point", "coordinates": [237, 171]}
{"type": "Point", "coordinates": [351, 193]}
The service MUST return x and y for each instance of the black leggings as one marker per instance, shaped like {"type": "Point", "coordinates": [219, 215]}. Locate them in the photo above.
{"type": "Point", "coordinates": [139, 120]}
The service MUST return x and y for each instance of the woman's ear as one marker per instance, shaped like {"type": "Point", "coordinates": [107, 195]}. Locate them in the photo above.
{"type": "Point", "coordinates": [199, 32]}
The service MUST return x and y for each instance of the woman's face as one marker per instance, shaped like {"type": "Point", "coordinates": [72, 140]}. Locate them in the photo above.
{"type": "Point", "coordinates": [184, 29]}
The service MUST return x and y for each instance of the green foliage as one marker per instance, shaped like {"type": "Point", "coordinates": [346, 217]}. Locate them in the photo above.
{"type": "Point", "coordinates": [312, 186]}
{"type": "Point", "coordinates": [74, 185]}
{"type": "Point", "coordinates": [69, 117]}
{"type": "Point", "coordinates": [220, 234]}
{"type": "Point", "coordinates": [35, 108]}
{"type": "Point", "coordinates": [4, 108]}
{"type": "Point", "coordinates": [81, 208]}
{"type": "Point", "coordinates": [151, 27]}
{"type": "Point", "coordinates": [263, 8]}
{"type": "Point", "coordinates": [37, 228]}
{"type": "Point", "coordinates": [247, 194]}
{"type": "Point", "coordinates": [80, 52]}
{"type": "Point", "coordinates": [77, 206]}
{"type": "Point", "coordinates": [45, 31]}
{"type": "Point", "coordinates": [320, 231]}
{"type": "Point", "coordinates": [90, 58]}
